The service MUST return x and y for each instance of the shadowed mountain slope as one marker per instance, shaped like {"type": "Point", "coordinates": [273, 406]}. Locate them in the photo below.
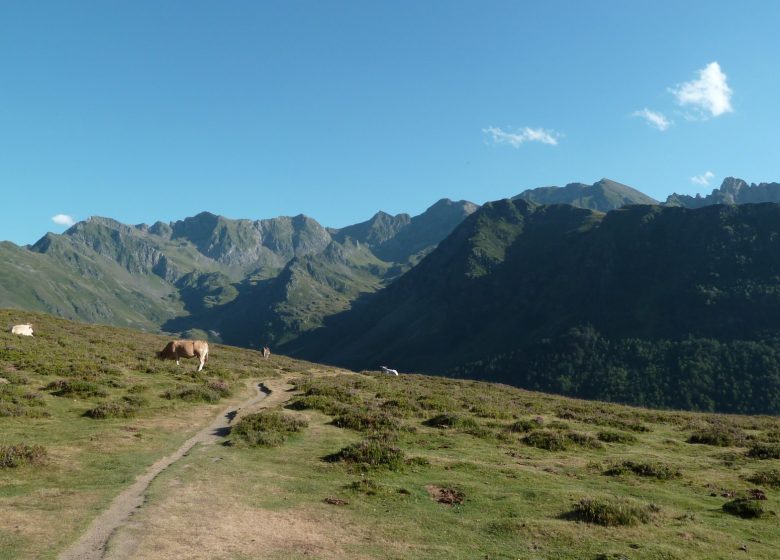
{"type": "Point", "coordinates": [619, 306]}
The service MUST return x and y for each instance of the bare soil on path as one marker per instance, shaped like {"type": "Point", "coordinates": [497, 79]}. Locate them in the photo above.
{"type": "Point", "coordinates": [92, 545]}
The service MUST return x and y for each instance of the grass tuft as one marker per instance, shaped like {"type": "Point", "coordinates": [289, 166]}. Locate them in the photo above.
{"type": "Point", "coordinates": [611, 512]}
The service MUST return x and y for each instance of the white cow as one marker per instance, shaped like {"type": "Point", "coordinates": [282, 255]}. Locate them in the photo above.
{"type": "Point", "coordinates": [388, 370]}
{"type": "Point", "coordinates": [23, 330]}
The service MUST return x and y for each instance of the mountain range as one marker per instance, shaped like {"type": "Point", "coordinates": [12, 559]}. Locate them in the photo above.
{"type": "Point", "coordinates": [247, 282]}
{"type": "Point", "coordinates": [636, 291]}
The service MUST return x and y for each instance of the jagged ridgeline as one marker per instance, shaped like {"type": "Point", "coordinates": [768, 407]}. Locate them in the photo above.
{"type": "Point", "coordinates": [245, 282]}
{"type": "Point", "coordinates": [651, 305]}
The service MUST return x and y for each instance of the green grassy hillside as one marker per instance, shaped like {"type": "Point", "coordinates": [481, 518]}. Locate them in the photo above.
{"type": "Point", "coordinates": [364, 465]}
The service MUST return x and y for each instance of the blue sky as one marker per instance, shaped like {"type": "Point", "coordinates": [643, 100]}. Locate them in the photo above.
{"type": "Point", "coordinates": [146, 111]}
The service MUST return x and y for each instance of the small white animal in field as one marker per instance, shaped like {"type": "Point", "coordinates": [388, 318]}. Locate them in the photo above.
{"type": "Point", "coordinates": [266, 352]}
{"type": "Point", "coordinates": [388, 370]}
{"type": "Point", "coordinates": [24, 330]}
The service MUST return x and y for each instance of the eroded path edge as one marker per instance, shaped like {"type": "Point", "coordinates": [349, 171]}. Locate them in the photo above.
{"type": "Point", "coordinates": [92, 544]}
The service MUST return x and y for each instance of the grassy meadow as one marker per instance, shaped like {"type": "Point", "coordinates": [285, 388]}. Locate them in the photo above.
{"type": "Point", "coordinates": [345, 465]}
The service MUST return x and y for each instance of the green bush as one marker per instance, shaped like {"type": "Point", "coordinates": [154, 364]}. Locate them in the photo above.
{"type": "Point", "coordinates": [546, 439]}
{"type": "Point", "coordinates": [373, 452]}
{"type": "Point", "coordinates": [615, 437]}
{"type": "Point", "coordinates": [526, 425]}
{"type": "Point", "coordinates": [769, 478]}
{"type": "Point", "coordinates": [265, 429]}
{"type": "Point", "coordinates": [76, 387]}
{"type": "Point", "coordinates": [764, 451]}
{"type": "Point", "coordinates": [611, 513]}
{"type": "Point", "coordinates": [363, 420]}
{"type": "Point", "coordinates": [584, 440]}
{"type": "Point", "coordinates": [192, 393]}
{"type": "Point", "coordinates": [720, 434]}
{"type": "Point", "coordinates": [12, 456]}
{"type": "Point", "coordinates": [744, 507]}
{"type": "Point", "coordinates": [327, 405]}
{"type": "Point", "coordinates": [452, 420]}
{"type": "Point", "coordinates": [111, 409]}
{"type": "Point", "coordinates": [660, 471]}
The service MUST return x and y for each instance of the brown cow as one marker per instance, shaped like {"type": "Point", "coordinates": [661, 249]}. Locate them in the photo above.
{"type": "Point", "coordinates": [177, 349]}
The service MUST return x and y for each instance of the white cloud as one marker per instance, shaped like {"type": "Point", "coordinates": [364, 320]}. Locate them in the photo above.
{"type": "Point", "coordinates": [703, 180]}
{"type": "Point", "coordinates": [709, 95]}
{"type": "Point", "coordinates": [656, 120]}
{"type": "Point", "coordinates": [63, 220]}
{"type": "Point", "coordinates": [522, 135]}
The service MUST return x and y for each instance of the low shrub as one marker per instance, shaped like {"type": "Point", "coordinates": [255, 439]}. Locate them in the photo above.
{"type": "Point", "coordinates": [192, 393]}
{"type": "Point", "coordinates": [363, 420]}
{"type": "Point", "coordinates": [265, 429]}
{"type": "Point", "coordinates": [772, 436]}
{"type": "Point", "coordinates": [220, 386]}
{"type": "Point", "coordinates": [615, 437]}
{"type": "Point", "coordinates": [526, 425]}
{"type": "Point", "coordinates": [584, 440]}
{"type": "Point", "coordinates": [327, 405]}
{"type": "Point", "coordinates": [744, 507]}
{"type": "Point", "coordinates": [764, 451]}
{"type": "Point", "coordinates": [769, 478]}
{"type": "Point", "coordinates": [75, 387]}
{"type": "Point", "coordinates": [660, 471]}
{"type": "Point", "coordinates": [111, 409]}
{"type": "Point", "coordinates": [451, 420]}
{"type": "Point", "coordinates": [720, 434]}
{"type": "Point", "coordinates": [611, 512]}
{"type": "Point", "coordinates": [400, 407]}
{"type": "Point", "coordinates": [374, 452]}
{"type": "Point", "coordinates": [546, 439]}
{"type": "Point", "coordinates": [19, 454]}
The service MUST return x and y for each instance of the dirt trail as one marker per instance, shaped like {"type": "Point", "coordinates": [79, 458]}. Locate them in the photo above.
{"type": "Point", "coordinates": [92, 545]}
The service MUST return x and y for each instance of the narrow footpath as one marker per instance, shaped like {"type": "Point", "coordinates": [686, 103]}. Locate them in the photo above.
{"type": "Point", "coordinates": [92, 545]}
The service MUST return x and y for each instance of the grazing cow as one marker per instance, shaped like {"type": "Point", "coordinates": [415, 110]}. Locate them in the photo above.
{"type": "Point", "coordinates": [23, 330]}
{"type": "Point", "coordinates": [266, 352]}
{"type": "Point", "coordinates": [388, 370]}
{"type": "Point", "coordinates": [177, 349]}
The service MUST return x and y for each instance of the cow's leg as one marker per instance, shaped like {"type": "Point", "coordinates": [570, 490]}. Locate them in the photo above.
{"type": "Point", "coordinates": [202, 361]}
{"type": "Point", "coordinates": [177, 361]}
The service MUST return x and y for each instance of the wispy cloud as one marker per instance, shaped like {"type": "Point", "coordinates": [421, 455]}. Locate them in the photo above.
{"type": "Point", "coordinates": [704, 179]}
{"type": "Point", "coordinates": [63, 220]}
{"type": "Point", "coordinates": [654, 119]}
{"type": "Point", "coordinates": [709, 95]}
{"type": "Point", "coordinates": [522, 135]}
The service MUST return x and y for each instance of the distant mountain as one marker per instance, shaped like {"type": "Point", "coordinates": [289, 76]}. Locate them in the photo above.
{"type": "Point", "coordinates": [645, 304]}
{"type": "Point", "coordinates": [604, 195]}
{"type": "Point", "coordinates": [731, 191]}
{"type": "Point", "coordinates": [246, 282]}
